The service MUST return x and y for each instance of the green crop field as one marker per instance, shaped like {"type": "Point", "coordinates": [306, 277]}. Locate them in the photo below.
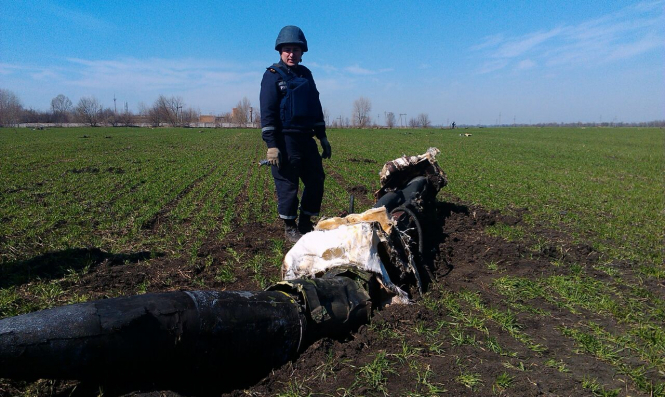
{"type": "Point", "coordinates": [145, 196]}
{"type": "Point", "coordinates": [66, 188]}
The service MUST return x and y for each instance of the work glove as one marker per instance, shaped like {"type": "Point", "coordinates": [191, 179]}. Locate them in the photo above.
{"type": "Point", "coordinates": [274, 156]}
{"type": "Point", "coordinates": [327, 150]}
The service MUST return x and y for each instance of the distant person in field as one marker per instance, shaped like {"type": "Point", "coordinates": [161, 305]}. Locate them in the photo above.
{"type": "Point", "coordinates": [291, 116]}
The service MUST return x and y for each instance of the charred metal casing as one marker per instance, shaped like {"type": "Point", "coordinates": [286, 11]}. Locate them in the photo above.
{"type": "Point", "coordinates": [155, 336]}
{"type": "Point", "coordinates": [337, 303]}
{"type": "Point", "coordinates": [232, 337]}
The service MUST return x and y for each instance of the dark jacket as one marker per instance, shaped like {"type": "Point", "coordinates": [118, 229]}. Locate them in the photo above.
{"type": "Point", "coordinates": [271, 98]}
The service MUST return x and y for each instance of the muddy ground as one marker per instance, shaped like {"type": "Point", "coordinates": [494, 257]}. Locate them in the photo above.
{"type": "Point", "coordinates": [461, 253]}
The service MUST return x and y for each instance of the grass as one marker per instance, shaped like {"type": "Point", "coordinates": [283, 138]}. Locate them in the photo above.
{"type": "Point", "coordinates": [469, 379]}
{"type": "Point", "coordinates": [598, 390]}
{"type": "Point", "coordinates": [375, 373]}
{"type": "Point", "coordinates": [295, 389]}
{"type": "Point", "coordinates": [596, 183]}
{"type": "Point", "coordinates": [169, 191]}
{"type": "Point", "coordinates": [596, 179]}
{"type": "Point", "coordinates": [558, 365]}
{"type": "Point", "coordinates": [503, 381]}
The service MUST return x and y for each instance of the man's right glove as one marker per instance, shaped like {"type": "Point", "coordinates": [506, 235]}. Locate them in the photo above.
{"type": "Point", "coordinates": [274, 156]}
{"type": "Point", "coordinates": [327, 150]}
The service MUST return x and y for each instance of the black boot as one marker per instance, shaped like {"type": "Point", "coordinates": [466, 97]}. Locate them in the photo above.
{"type": "Point", "coordinates": [305, 224]}
{"type": "Point", "coordinates": [291, 231]}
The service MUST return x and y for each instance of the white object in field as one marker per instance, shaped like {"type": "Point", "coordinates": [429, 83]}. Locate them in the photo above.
{"type": "Point", "coordinates": [350, 241]}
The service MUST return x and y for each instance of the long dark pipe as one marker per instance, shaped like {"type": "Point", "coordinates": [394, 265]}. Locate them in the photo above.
{"type": "Point", "coordinates": [232, 337]}
{"type": "Point", "coordinates": [154, 336]}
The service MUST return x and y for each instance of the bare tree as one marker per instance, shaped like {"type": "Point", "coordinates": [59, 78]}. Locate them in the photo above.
{"type": "Point", "coordinates": [257, 116]}
{"type": "Point", "coordinates": [61, 106]}
{"type": "Point", "coordinates": [177, 105]}
{"type": "Point", "coordinates": [143, 109]}
{"type": "Point", "coordinates": [390, 120]}
{"type": "Point", "coordinates": [423, 120]}
{"type": "Point", "coordinates": [361, 108]}
{"type": "Point", "coordinates": [10, 108]}
{"type": "Point", "coordinates": [89, 110]}
{"type": "Point", "coordinates": [241, 112]}
{"type": "Point", "coordinates": [147, 113]}
{"type": "Point", "coordinates": [34, 116]}
{"type": "Point", "coordinates": [414, 123]}
{"type": "Point", "coordinates": [126, 117]}
{"type": "Point", "coordinates": [166, 110]}
{"type": "Point", "coordinates": [226, 117]}
{"type": "Point", "coordinates": [109, 117]}
{"type": "Point", "coordinates": [189, 115]}
{"type": "Point", "coordinates": [326, 116]}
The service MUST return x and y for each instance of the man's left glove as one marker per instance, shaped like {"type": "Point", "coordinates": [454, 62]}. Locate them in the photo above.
{"type": "Point", "coordinates": [327, 150]}
{"type": "Point", "coordinates": [274, 156]}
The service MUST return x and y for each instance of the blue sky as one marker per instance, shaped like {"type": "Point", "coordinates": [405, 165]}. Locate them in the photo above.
{"type": "Point", "coordinates": [473, 62]}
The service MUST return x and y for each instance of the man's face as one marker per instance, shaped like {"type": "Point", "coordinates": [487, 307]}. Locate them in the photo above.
{"type": "Point", "coordinates": [291, 54]}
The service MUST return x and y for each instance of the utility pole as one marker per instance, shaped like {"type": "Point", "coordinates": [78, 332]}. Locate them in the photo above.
{"type": "Point", "coordinates": [115, 109]}
{"type": "Point", "coordinates": [400, 119]}
{"type": "Point", "coordinates": [251, 110]}
{"type": "Point", "coordinates": [178, 110]}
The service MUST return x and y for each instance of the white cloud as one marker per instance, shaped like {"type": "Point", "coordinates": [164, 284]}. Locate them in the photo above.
{"type": "Point", "coordinates": [356, 69]}
{"type": "Point", "coordinates": [645, 44]}
{"type": "Point", "coordinates": [624, 34]}
{"type": "Point", "coordinates": [7, 69]}
{"type": "Point", "coordinates": [526, 64]}
{"type": "Point", "coordinates": [360, 71]}
{"type": "Point", "coordinates": [489, 42]}
{"type": "Point", "coordinates": [78, 18]}
{"type": "Point", "coordinates": [492, 65]}
{"type": "Point", "coordinates": [325, 68]}
{"type": "Point", "coordinates": [45, 75]}
{"type": "Point", "coordinates": [520, 45]}
{"type": "Point", "coordinates": [157, 74]}
{"type": "Point", "coordinates": [202, 83]}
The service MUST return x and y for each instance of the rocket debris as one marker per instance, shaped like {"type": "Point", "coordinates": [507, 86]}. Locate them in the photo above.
{"type": "Point", "coordinates": [333, 278]}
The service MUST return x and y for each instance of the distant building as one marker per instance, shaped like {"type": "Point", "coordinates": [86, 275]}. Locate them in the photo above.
{"type": "Point", "coordinates": [206, 118]}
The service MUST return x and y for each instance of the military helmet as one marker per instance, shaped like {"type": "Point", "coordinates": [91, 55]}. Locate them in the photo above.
{"type": "Point", "coordinates": [291, 35]}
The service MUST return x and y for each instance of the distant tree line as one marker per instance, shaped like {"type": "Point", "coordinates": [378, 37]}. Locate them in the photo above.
{"type": "Point", "coordinates": [165, 110]}
{"type": "Point", "coordinates": [172, 111]}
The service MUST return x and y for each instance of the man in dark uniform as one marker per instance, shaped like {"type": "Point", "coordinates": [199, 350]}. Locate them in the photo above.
{"type": "Point", "coordinates": [291, 116]}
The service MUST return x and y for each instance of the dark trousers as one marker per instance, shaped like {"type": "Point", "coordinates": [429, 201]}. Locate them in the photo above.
{"type": "Point", "coordinates": [300, 161]}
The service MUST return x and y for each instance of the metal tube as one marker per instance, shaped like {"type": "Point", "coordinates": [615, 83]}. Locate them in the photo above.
{"type": "Point", "coordinates": [231, 335]}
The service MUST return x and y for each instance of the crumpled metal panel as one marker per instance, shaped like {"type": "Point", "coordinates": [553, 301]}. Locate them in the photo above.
{"type": "Point", "coordinates": [336, 304]}
{"type": "Point", "coordinates": [397, 173]}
